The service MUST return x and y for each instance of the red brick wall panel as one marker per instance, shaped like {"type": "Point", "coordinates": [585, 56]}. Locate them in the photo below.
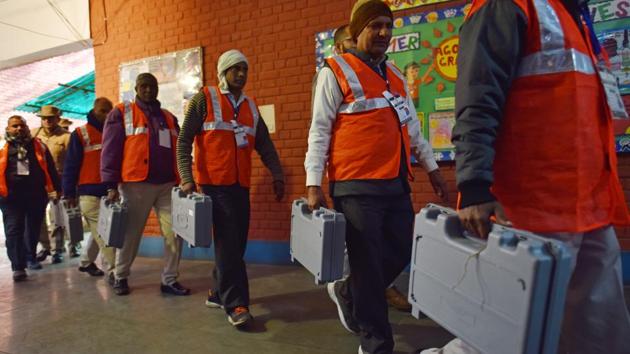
{"type": "Point", "coordinates": [278, 37]}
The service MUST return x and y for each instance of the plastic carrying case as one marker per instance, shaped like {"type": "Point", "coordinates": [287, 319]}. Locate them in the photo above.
{"type": "Point", "coordinates": [503, 295]}
{"type": "Point", "coordinates": [112, 222]}
{"type": "Point", "coordinates": [72, 221]}
{"type": "Point", "coordinates": [192, 217]}
{"type": "Point", "coordinates": [318, 241]}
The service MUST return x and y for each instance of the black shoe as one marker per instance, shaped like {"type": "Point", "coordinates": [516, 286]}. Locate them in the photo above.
{"type": "Point", "coordinates": [92, 270]}
{"type": "Point", "coordinates": [213, 301]}
{"type": "Point", "coordinates": [33, 265]}
{"type": "Point", "coordinates": [174, 289]}
{"type": "Point", "coordinates": [73, 252]}
{"type": "Point", "coordinates": [19, 275]}
{"type": "Point", "coordinates": [239, 316]}
{"type": "Point", "coordinates": [57, 258]}
{"type": "Point", "coordinates": [42, 255]}
{"type": "Point", "coordinates": [344, 307]}
{"type": "Point", "coordinates": [111, 279]}
{"type": "Point", "coordinates": [121, 287]}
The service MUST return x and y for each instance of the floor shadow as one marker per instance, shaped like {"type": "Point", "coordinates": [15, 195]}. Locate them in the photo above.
{"type": "Point", "coordinates": [299, 306]}
{"type": "Point", "coordinates": [424, 334]}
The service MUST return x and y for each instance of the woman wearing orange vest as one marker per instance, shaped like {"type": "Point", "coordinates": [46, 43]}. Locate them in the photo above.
{"type": "Point", "coordinates": [363, 130]}
{"type": "Point", "coordinates": [27, 177]}
{"type": "Point", "coordinates": [226, 127]}
{"type": "Point", "coordinates": [535, 147]}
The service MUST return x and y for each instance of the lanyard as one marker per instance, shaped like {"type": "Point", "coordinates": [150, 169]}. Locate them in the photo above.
{"type": "Point", "coordinates": [235, 106]}
{"type": "Point", "coordinates": [586, 16]}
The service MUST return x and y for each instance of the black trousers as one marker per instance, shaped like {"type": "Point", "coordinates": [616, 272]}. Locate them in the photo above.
{"type": "Point", "coordinates": [230, 213]}
{"type": "Point", "coordinates": [22, 221]}
{"type": "Point", "coordinates": [379, 237]}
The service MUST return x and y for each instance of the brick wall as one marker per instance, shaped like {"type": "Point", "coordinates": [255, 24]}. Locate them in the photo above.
{"type": "Point", "coordinates": [277, 36]}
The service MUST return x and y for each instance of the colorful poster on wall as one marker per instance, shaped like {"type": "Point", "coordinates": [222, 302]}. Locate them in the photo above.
{"type": "Point", "coordinates": [610, 15]}
{"type": "Point", "coordinates": [440, 129]}
{"type": "Point", "coordinates": [396, 5]}
{"type": "Point", "coordinates": [179, 75]}
{"type": "Point", "coordinates": [611, 20]}
{"type": "Point", "coordinates": [617, 46]}
{"type": "Point", "coordinates": [424, 46]}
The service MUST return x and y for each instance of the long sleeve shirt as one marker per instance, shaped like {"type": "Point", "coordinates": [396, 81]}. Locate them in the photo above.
{"type": "Point", "coordinates": [73, 163]}
{"type": "Point", "coordinates": [33, 184]}
{"type": "Point", "coordinates": [57, 141]}
{"type": "Point", "coordinates": [327, 98]}
{"type": "Point", "coordinates": [161, 164]}
{"type": "Point", "coordinates": [491, 45]}
{"type": "Point", "coordinates": [191, 127]}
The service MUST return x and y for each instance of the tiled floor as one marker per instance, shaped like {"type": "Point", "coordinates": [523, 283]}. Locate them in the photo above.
{"type": "Point", "coordinates": [59, 310]}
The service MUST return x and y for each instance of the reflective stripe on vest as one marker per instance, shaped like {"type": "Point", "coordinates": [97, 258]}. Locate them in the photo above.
{"type": "Point", "coordinates": [362, 104]}
{"type": "Point", "coordinates": [365, 116]}
{"type": "Point", "coordinates": [553, 58]}
{"type": "Point", "coordinates": [220, 124]}
{"type": "Point", "coordinates": [86, 140]}
{"type": "Point", "coordinates": [216, 105]}
{"type": "Point", "coordinates": [395, 70]}
{"type": "Point", "coordinates": [351, 78]}
{"type": "Point", "coordinates": [129, 129]}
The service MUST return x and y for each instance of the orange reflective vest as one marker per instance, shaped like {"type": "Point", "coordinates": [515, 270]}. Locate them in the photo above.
{"type": "Point", "coordinates": [555, 167]}
{"type": "Point", "coordinates": [367, 137]}
{"type": "Point", "coordinates": [135, 163]}
{"type": "Point", "coordinates": [217, 159]}
{"type": "Point", "coordinates": [40, 154]}
{"type": "Point", "coordinates": [91, 139]}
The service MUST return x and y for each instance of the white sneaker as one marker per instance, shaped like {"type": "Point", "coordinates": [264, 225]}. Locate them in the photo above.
{"type": "Point", "coordinates": [345, 315]}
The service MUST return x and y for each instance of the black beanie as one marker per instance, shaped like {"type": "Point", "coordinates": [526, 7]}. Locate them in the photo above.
{"type": "Point", "coordinates": [365, 11]}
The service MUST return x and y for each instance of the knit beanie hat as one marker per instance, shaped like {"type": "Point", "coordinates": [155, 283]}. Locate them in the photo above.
{"type": "Point", "coordinates": [365, 11]}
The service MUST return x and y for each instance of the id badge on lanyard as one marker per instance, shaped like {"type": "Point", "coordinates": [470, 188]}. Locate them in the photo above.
{"type": "Point", "coordinates": [239, 135]}
{"type": "Point", "coordinates": [165, 138]}
{"type": "Point", "coordinates": [613, 96]}
{"type": "Point", "coordinates": [400, 106]}
{"type": "Point", "coordinates": [611, 88]}
{"type": "Point", "coordinates": [22, 167]}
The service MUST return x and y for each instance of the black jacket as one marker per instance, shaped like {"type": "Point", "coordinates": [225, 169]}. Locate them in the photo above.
{"type": "Point", "coordinates": [33, 184]}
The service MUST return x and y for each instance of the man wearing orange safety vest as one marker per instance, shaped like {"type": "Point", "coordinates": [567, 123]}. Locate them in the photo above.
{"type": "Point", "coordinates": [28, 178]}
{"type": "Point", "coordinates": [81, 175]}
{"type": "Point", "coordinates": [342, 43]}
{"type": "Point", "coordinates": [226, 127]}
{"type": "Point", "coordinates": [364, 129]}
{"type": "Point", "coordinates": [535, 148]}
{"type": "Point", "coordinates": [138, 164]}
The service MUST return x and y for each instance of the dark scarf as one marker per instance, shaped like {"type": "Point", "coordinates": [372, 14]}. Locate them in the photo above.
{"type": "Point", "coordinates": [20, 142]}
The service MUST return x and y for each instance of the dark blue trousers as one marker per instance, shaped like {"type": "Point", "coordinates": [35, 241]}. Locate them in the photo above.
{"type": "Point", "coordinates": [22, 219]}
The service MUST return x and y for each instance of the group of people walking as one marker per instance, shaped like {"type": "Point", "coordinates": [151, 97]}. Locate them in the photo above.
{"type": "Point", "coordinates": [523, 65]}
